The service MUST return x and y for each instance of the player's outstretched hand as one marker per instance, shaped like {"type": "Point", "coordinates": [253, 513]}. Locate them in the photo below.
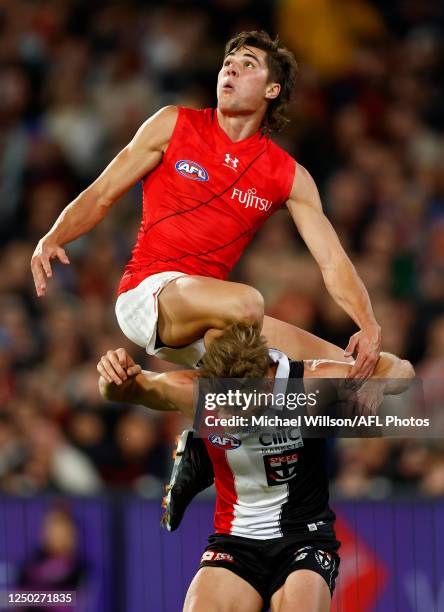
{"type": "Point", "coordinates": [117, 366]}
{"type": "Point", "coordinates": [366, 343]}
{"type": "Point", "coordinates": [41, 263]}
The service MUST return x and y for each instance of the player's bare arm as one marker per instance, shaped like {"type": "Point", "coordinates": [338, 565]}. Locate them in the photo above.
{"type": "Point", "coordinates": [122, 380]}
{"type": "Point", "coordinates": [340, 276]}
{"type": "Point", "coordinates": [393, 373]}
{"type": "Point", "coordinates": [389, 366]}
{"type": "Point", "coordinates": [137, 159]}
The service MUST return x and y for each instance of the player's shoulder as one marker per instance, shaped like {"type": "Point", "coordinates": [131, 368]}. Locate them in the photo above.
{"type": "Point", "coordinates": [159, 127]}
{"type": "Point", "coordinates": [282, 166]}
{"type": "Point", "coordinates": [165, 114]}
{"type": "Point", "coordinates": [198, 116]}
{"type": "Point", "coordinates": [279, 153]}
{"type": "Point", "coordinates": [192, 122]}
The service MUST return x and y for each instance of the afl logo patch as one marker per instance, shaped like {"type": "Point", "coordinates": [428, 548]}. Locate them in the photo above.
{"type": "Point", "coordinates": [224, 441]}
{"type": "Point", "coordinates": [192, 170]}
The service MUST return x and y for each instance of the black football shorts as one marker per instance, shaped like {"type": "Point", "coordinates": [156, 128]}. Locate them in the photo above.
{"type": "Point", "coordinates": [266, 564]}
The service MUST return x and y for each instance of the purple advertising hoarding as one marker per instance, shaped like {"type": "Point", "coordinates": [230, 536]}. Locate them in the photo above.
{"type": "Point", "coordinates": [160, 564]}
{"type": "Point", "coordinates": [21, 529]}
{"type": "Point", "coordinates": [392, 554]}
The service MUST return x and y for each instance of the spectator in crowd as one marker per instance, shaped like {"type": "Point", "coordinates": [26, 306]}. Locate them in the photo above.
{"type": "Point", "coordinates": [57, 565]}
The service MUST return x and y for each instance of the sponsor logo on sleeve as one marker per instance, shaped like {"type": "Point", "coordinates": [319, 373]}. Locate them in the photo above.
{"type": "Point", "coordinates": [191, 170]}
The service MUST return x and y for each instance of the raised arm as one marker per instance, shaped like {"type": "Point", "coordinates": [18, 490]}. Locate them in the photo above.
{"type": "Point", "coordinates": [394, 376]}
{"type": "Point", "coordinates": [339, 274]}
{"type": "Point", "coordinates": [122, 380]}
{"type": "Point", "coordinates": [136, 160]}
{"type": "Point", "coordinates": [396, 372]}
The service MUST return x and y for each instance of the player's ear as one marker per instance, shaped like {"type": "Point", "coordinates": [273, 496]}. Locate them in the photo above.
{"type": "Point", "coordinates": [272, 91]}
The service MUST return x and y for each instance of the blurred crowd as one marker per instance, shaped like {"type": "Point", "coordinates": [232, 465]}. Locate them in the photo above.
{"type": "Point", "coordinates": [77, 79]}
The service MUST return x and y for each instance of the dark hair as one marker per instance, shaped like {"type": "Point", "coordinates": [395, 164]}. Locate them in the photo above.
{"type": "Point", "coordinates": [239, 352]}
{"type": "Point", "coordinates": [282, 69]}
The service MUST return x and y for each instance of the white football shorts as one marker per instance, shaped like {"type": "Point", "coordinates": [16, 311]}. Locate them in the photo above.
{"type": "Point", "coordinates": [137, 313]}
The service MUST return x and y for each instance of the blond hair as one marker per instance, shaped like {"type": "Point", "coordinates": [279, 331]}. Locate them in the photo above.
{"type": "Point", "coordinates": [239, 352]}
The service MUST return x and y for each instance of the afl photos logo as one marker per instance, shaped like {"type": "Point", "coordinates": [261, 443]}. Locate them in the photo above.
{"type": "Point", "coordinates": [191, 170]}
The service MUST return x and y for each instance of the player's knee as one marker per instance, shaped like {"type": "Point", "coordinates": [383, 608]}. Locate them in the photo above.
{"type": "Point", "coordinates": [249, 308]}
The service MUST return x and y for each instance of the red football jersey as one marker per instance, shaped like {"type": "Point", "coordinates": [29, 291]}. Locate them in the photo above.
{"type": "Point", "coordinates": [206, 199]}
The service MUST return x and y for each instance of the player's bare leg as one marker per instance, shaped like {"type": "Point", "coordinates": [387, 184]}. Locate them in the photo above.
{"type": "Point", "coordinates": [216, 589]}
{"type": "Point", "coordinates": [305, 587]}
{"type": "Point", "coordinates": [297, 343]}
{"type": "Point", "coordinates": [190, 305]}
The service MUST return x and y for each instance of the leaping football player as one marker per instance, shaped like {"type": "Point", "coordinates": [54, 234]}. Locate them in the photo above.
{"type": "Point", "coordinates": [211, 178]}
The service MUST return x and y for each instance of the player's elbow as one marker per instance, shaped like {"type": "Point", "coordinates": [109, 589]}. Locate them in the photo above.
{"type": "Point", "coordinates": [101, 193]}
{"type": "Point", "coordinates": [406, 369]}
{"type": "Point", "coordinates": [398, 375]}
{"type": "Point", "coordinates": [401, 368]}
{"type": "Point", "coordinates": [248, 308]}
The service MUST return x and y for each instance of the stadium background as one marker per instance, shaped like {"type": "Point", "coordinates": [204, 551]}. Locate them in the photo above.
{"type": "Point", "coordinates": [76, 81]}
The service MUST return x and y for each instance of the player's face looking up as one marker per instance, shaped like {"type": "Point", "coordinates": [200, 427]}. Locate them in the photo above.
{"type": "Point", "coordinates": [243, 83]}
